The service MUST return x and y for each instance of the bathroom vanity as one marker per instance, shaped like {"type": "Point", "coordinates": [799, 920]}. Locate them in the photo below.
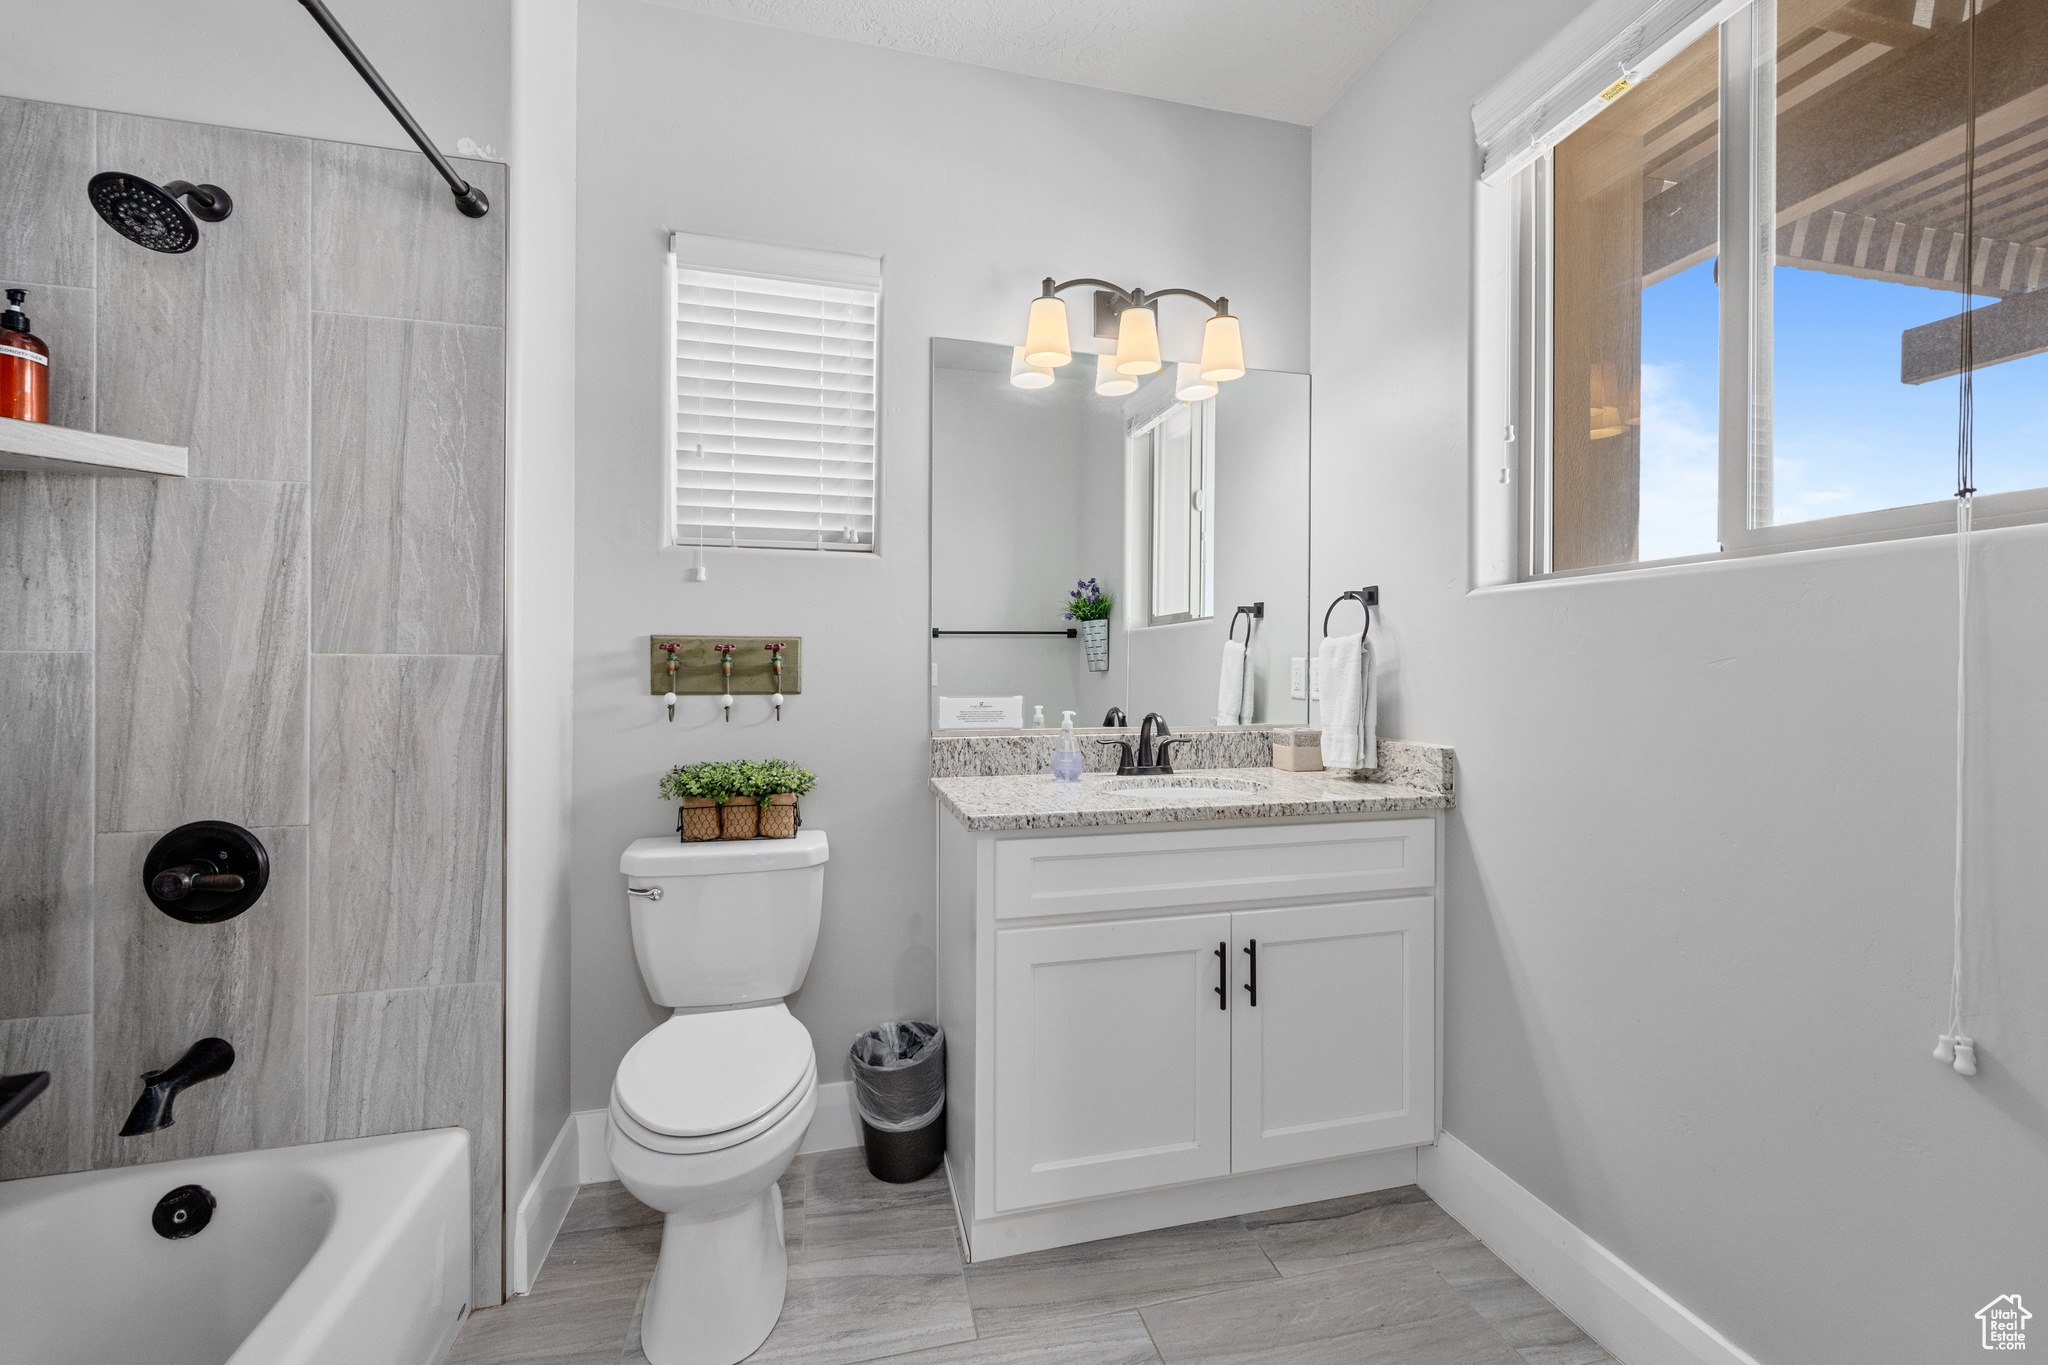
{"type": "Point", "coordinates": [1174, 999]}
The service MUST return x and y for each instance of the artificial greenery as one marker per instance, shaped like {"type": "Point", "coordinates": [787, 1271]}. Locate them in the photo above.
{"type": "Point", "coordinates": [1087, 602]}
{"type": "Point", "coordinates": [758, 778]}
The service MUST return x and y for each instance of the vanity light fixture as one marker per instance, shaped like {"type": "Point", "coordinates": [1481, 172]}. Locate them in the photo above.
{"type": "Point", "coordinates": [1189, 385]}
{"type": "Point", "coordinates": [1109, 381]}
{"type": "Point", "coordinates": [1130, 318]}
{"type": "Point", "coordinates": [1026, 375]}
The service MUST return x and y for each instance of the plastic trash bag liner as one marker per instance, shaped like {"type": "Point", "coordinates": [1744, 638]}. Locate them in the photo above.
{"type": "Point", "coordinates": [899, 1075]}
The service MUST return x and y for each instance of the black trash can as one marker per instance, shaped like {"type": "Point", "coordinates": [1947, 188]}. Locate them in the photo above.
{"type": "Point", "coordinates": [899, 1086]}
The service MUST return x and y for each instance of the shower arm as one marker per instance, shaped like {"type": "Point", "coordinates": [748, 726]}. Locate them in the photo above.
{"type": "Point", "coordinates": [468, 197]}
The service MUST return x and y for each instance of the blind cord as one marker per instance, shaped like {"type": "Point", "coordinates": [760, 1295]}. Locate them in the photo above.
{"type": "Point", "coordinates": [1955, 1047]}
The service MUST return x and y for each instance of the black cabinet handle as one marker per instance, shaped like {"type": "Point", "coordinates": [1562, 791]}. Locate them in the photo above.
{"type": "Point", "coordinates": [1222, 961]}
{"type": "Point", "coordinates": [1251, 983]}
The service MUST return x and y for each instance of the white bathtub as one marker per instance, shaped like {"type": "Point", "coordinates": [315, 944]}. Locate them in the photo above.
{"type": "Point", "coordinates": [334, 1252]}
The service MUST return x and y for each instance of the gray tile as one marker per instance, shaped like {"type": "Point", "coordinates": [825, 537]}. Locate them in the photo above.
{"type": "Point", "coordinates": [1524, 1318]}
{"type": "Point", "coordinates": [208, 349]}
{"type": "Point", "coordinates": [388, 240]}
{"type": "Point", "coordinates": [1037, 1290]}
{"type": "Point", "coordinates": [160, 985]}
{"type": "Point", "coordinates": [407, 820]}
{"type": "Point", "coordinates": [1119, 1339]}
{"type": "Point", "coordinates": [55, 1132]}
{"type": "Point", "coordinates": [202, 653]}
{"type": "Point", "coordinates": [1311, 1237]}
{"type": "Point", "coordinates": [399, 1061]}
{"type": "Point", "coordinates": [408, 487]}
{"type": "Point", "coordinates": [1393, 1311]}
{"type": "Point", "coordinates": [601, 1206]}
{"type": "Point", "coordinates": [63, 319]}
{"type": "Point", "coordinates": [46, 225]}
{"type": "Point", "coordinates": [46, 560]}
{"type": "Point", "coordinates": [581, 1262]}
{"type": "Point", "coordinates": [584, 1328]}
{"type": "Point", "coordinates": [45, 834]}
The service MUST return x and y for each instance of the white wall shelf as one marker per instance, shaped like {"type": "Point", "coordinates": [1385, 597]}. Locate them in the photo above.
{"type": "Point", "coordinates": [41, 448]}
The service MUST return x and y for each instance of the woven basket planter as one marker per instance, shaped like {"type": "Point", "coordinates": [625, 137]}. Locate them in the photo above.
{"type": "Point", "coordinates": [697, 819]}
{"type": "Point", "coordinates": [779, 819]}
{"type": "Point", "coordinates": [1095, 642]}
{"type": "Point", "coordinates": [739, 818]}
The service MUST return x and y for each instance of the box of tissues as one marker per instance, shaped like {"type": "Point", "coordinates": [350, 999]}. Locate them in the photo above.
{"type": "Point", "coordinates": [1297, 749]}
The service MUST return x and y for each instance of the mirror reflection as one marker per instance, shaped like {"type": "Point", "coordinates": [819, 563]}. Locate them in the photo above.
{"type": "Point", "coordinates": [1190, 519]}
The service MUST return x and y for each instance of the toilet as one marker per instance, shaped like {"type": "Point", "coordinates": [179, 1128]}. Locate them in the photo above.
{"type": "Point", "coordinates": [708, 1110]}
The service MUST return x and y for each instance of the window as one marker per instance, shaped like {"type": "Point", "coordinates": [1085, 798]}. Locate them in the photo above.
{"type": "Point", "coordinates": [772, 361]}
{"type": "Point", "coordinates": [1800, 387]}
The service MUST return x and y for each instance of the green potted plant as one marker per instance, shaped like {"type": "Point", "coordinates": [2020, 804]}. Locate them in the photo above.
{"type": "Point", "coordinates": [701, 788]}
{"type": "Point", "coordinates": [1090, 605]}
{"type": "Point", "coordinates": [776, 783]}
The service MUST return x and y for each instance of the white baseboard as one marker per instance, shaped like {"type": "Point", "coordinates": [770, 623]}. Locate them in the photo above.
{"type": "Point", "coordinates": [542, 1208]}
{"type": "Point", "coordinates": [1636, 1321]}
{"type": "Point", "coordinates": [836, 1125]}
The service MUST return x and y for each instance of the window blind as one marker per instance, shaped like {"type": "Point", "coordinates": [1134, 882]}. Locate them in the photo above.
{"type": "Point", "coordinates": [774, 409]}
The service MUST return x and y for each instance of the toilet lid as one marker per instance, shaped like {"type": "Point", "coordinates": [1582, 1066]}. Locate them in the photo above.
{"type": "Point", "coordinates": [705, 1073]}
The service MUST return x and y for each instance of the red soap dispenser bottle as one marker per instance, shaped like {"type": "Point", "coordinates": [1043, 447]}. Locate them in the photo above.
{"type": "Point", "coordinates": [24, 365]}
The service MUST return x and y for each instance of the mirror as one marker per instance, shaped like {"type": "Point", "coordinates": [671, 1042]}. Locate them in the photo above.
{"type": "Point", "coordinates": [1181, 512]}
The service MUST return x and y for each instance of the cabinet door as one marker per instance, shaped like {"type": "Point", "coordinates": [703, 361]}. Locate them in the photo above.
{"type": "Point", "coordinates": [1112, 1058]}
{"type": "Point", "coordinates": [1338, 1054]}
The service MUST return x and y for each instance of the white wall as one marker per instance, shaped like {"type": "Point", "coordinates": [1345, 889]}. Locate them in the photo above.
{"type": "Point", "coordinates": [265, 64]}
{"type": "Point", "coordinates": [971, 185]}
{"type": "Point", "coordinates": [1697, 946]}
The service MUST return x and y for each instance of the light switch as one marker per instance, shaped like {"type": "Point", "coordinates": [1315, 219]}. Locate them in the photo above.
{"type": "Point", "coordinates": [1297, 679]}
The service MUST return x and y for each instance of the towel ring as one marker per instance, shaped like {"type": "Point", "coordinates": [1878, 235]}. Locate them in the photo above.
{"type": "Point", "coordinates": [1365, 597]}
{"type": "Point", "coordinates": [1255, 612]}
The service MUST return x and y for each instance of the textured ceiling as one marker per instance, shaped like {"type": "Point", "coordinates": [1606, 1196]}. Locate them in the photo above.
{"type": "Point", "coordinates": [1279, 59]}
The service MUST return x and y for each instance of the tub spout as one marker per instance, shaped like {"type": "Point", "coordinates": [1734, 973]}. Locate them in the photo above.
{"type": "Point", "coordinates": [205, 1059]}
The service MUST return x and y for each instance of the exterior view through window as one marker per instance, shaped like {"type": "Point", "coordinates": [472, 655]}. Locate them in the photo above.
{"type": "Point", "coordinates": [1856, 117]}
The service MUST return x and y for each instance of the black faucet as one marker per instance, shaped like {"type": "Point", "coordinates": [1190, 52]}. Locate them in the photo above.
{"type": "Point", "coordinates": [1151, 760]}
{"type": "Point", "coordinates": [1115, 719]}
{"type": "Point", "coordinates": [205, 1059]}
{"type": "Point", "coordinates": [17, 1090]}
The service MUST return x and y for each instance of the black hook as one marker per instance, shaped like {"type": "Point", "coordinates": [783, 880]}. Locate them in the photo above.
{"type": "Point", "coordinates": [1365, 597]}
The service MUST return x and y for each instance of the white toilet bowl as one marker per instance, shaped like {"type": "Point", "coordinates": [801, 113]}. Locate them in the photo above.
{"type": "Point", "coordinates": [706, 1114]}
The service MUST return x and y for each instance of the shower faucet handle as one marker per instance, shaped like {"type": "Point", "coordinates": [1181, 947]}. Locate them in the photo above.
{"type": "Point", "coordinates": [176, 883]}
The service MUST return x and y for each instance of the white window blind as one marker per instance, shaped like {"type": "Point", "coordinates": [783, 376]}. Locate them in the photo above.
{"type": "Point", "coordinates": [774, 397]}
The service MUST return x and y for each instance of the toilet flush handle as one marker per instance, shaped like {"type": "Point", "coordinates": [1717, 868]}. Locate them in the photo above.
{"type": "Point", "coordinates": [652, 893]}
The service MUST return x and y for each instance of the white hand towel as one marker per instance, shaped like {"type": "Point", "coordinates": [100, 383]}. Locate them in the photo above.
{"type": "Point", "coordinates": [1351, 703]}
{"type": "Point", "coordinates": [1231, 686]}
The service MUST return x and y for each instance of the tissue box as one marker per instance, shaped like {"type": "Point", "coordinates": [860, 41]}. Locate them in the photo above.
{"type": "Point", "coordinates": [1298, 750]}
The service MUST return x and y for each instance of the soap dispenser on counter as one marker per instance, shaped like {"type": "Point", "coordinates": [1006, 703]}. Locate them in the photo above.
{"type": "Point", "coordinates": [1067, 758]}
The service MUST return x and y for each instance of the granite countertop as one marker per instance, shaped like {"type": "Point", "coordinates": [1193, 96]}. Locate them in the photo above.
{"type": "Point", "coordinates": [1038, 801]}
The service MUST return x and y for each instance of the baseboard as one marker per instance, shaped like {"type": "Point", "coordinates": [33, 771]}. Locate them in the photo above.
{"type": "Point", "coordinates": [835, 1125]}
{"type": "Point", "coordinates": [1613, 1303]}
{"type": "Point", "coordinates": [543, 1207]}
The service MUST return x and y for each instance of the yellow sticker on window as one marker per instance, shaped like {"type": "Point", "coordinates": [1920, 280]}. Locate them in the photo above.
{"type": "Point", "coordinates": [1615, 91]}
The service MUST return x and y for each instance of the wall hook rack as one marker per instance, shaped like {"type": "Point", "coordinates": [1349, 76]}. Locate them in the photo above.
{"type": "Point", "coordinates": [1365, 597]}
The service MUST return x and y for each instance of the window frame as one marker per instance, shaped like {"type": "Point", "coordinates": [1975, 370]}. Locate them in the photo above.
{"type": "Point", "coordinates": [1514, 302]}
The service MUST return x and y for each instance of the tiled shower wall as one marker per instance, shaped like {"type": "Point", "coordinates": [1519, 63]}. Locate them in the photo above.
{"type": "Point", "coordinates": [303, 637]}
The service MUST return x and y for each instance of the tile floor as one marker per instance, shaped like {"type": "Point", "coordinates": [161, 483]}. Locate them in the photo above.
{"type": "Point", "coordinates": [875, 1272]}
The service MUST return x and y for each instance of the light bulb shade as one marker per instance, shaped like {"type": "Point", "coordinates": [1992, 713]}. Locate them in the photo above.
{"type": "Point", "coordinates": [1045, 340]}
{"type": "Point", "coordinates": [1108, 382]}
{"type": "Point", "coordinates": [1222, 350]}
{"type": "Point", "coordinates": [1024, 374]}
{"type": "Point", "coordinates": [1137, 342]}
{"type": "Point", "coordinates": [1188, 384]}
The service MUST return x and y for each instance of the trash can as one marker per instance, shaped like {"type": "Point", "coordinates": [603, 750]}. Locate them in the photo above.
{"type": "Point", "coordinates": [899, 1086]}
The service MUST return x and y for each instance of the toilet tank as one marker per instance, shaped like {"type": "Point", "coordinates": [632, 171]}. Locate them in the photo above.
{"type": "Point", "coordinates": [736, 919]}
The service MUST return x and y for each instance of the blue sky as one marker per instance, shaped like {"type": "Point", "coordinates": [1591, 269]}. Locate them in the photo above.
{"type": "Point", "coordinates": [1849, 436]}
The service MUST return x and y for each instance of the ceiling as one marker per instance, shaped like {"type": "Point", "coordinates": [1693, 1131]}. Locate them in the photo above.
{"type": "Point", "coordinates": [1278, 59]}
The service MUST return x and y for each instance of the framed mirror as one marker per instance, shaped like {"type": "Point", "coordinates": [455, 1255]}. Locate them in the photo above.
{"type": "Point", "coordinates": [1181, 512]}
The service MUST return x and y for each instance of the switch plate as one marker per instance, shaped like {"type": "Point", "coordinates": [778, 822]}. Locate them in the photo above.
{"type": "Point", "coordinates": [1315, 680]}
{"type": "Point", "coordinates": [1297, 679]}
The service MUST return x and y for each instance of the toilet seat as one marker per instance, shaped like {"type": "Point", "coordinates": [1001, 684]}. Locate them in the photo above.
{"type": "Point", "coordinates": [700, 1082]}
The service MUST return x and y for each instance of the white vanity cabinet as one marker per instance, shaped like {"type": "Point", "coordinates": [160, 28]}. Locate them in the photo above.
{"type": "Point", "coordinates": [1111, 1066]}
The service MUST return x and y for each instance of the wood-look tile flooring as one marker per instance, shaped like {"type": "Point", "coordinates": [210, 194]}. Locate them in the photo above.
{"type": "Point", "coordinates": [875, 1273]}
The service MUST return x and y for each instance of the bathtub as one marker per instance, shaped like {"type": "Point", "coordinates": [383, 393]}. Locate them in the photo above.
{"type": "Point", "coordinates": [354, 1251]}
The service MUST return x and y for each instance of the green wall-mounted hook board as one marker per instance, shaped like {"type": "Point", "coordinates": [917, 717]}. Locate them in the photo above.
{"type": "Point", "coordinates": [697, 665]}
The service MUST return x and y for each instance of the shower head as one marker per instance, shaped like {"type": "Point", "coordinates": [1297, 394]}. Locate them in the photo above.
{"type": "Point", "coordinates": [150, 215]}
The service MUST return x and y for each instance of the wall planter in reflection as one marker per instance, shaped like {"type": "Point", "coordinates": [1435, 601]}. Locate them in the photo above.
{"type": "Point", "coordinates": [1090, 605]}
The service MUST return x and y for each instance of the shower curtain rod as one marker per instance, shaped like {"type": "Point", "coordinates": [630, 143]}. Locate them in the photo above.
{"type": "Point", "coordinates": [468, 197]}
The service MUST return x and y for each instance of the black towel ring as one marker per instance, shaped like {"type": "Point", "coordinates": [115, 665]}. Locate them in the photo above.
{"type": "Point", "coordinates": [1255, 612]}
{"type": "Point", "coordinates": [1365, 597]}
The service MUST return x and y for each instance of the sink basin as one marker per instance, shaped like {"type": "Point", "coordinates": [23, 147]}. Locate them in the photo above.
{"type": "Point", "coordinates": [1189, 788]}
